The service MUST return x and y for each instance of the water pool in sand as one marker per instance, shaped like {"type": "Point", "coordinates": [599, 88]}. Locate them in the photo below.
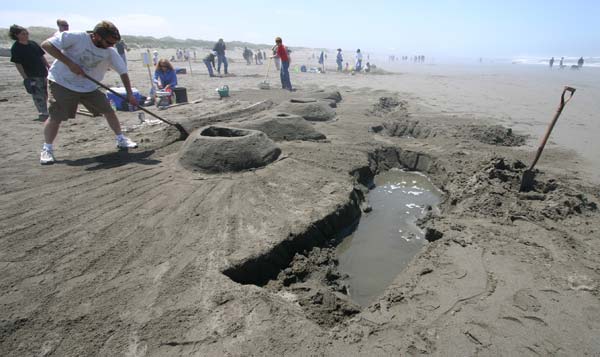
{"type": "Point", "coordinates": [386, 238]}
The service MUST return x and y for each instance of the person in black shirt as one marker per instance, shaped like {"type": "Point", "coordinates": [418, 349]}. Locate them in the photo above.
{"type": "Point", "coordinates": [29, 59]}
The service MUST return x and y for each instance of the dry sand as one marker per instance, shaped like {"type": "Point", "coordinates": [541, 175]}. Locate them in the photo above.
{"type": "Point", "coordinates": [128, 253]}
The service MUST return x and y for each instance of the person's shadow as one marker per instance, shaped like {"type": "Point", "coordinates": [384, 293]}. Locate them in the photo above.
{"type": "Point", "coordinates": [113, 159]}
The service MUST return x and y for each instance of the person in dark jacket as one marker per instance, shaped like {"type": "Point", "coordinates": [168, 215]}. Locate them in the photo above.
{"type": "Point", "coordinates": [209, 61]}
{"type": "Point", "coordinates": [221, 58]}
{"type": "Point", "coordinates": [29, 59]}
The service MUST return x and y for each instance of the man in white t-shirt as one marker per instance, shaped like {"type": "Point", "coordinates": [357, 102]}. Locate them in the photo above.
{"type": "Point", "coordinates": [79, 53]}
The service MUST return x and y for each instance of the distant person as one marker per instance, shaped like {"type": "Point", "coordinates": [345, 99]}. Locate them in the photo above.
{"type": "Point", "coordinates": [247, 54]}
{"type": "Point", "coordinates": [219, 48]}
{"type": "Point", "coordinates": [68, 87]}
{"type": "Point", "coordinates": [281, 52]}
{"type": "Point", "coordinates": [62, 25]}
{"type": "Point", "coordinates": [551, 62]}
{"type": "Point", "coordinates": [322, 61]}
{"type": "Point", "coordinates": [339, 59]}
{"type": "Point", "coordinates": [561, 63]}
{"type": "Point", "coordinates": [155, 57]}
{"type": "Point", "coordinates": [259, 57]}
{"type": "Point", "coordinates": [275, 58]}
{"type": "Point", "coordinates": [359, 58]}
{"type": "Point", "coordinates": [580, 62]}
{"type": "Point", "coordinates": [209, 61]}
{"type": "Point", "coordinates": [121, 47]}
{"type": "Point", "coordinates": [165, 76]}
{"type": "Point", "coordinates": [31, 64]}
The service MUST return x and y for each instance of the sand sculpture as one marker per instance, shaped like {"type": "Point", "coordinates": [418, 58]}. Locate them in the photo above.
{"type": "Point", "coordinates": [283, 126]}
{"type": "Point", "coordinates": [226, 149]}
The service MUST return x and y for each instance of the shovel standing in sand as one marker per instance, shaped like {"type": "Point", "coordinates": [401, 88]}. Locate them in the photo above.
{"type": "Point", "coordinates": [528, 176]}
{"type": "Point", "coordinates": [265, 83]}
{"type": "Point", "coordinates": [183, 133]}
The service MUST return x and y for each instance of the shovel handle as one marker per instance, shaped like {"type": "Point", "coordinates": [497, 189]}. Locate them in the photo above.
{"type": "Point", "coordinates": [571, 91]}
{"type": "Point", "coordinates": [566, 89]}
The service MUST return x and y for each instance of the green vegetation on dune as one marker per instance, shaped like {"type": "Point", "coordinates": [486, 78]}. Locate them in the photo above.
{"type": "Point", "coordinates": [39, 34]}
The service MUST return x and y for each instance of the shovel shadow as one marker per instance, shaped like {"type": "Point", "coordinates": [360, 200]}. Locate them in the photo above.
{"type": "Point", "coordinates": [114, 159]}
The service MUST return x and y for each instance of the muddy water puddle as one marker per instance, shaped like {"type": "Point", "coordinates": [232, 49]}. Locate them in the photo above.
{"type": "Point", "coordinates": [386, 238]}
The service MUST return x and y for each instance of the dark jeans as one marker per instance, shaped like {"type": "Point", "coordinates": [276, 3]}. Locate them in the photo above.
{"type": "Point", "coordinates": [221, 59]}
{"type": "Point", "coordinates": [40, 94]}
{"type": "Point", "coordinates": [285, 75]}
{"type": "Point", "coordinates": [210, 69]}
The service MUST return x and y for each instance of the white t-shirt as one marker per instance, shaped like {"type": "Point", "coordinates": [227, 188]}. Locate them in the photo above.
{"type": "Point", "coordinates": [95, 61]}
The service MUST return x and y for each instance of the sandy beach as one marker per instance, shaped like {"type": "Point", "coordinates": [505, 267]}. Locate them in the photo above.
{"type": "Point", "coordinates": [115, 253]}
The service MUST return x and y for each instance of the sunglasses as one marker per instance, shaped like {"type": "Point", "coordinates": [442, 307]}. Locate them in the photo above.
{"type": "Point", "coordinates": [109, 43]}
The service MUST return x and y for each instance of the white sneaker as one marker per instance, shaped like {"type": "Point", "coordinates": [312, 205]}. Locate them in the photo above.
{"type": "Point", "coordinates": [46, 157]}
{"type": "Point", "coordinates": [126, 143]}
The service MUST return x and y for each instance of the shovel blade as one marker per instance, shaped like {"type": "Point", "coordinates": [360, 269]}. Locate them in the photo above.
{"type": "Point", "coordinates": [527, 181]}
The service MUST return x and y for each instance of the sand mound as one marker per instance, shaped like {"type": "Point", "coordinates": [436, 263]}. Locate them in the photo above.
{"type": "Point", "coordinates": [326, 95]}
{"type": "Point", "coordinates": [497, 135]}
{"type": "Point", "coordinates": [224, 149]}
{"type": "Point", "coordinates": [312, 111]}
{"type": "Point", "coordinates": [284, 126]}
{"type": "Point", "coordinates": [406, 128]}
{"type": "Point", "coordinates": [387, 105]}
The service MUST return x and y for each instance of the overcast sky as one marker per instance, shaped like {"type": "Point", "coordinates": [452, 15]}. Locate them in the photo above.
{"type": "Point", "coordinates": [506, 28]}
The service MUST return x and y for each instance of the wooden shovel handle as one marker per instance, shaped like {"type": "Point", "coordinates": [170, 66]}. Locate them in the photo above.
{"type": "Point", "coordinates": [571, 91]}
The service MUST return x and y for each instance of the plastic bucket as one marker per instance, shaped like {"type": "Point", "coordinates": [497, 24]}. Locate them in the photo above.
{"type": "Point", "coordinates": [180, 94]}
{"type": "Point", "coordinates": [163, 98]}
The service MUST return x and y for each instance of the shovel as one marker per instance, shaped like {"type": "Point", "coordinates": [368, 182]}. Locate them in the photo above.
{"type": "Point", "coordinates": [528, 176]}
{"type": "Point", "coordinates": [265, 84]}
{"type": "Point", "coordinates": [183, 133]}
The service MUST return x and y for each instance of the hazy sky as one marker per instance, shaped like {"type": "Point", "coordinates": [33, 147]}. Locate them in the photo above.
{"type": "Point", "coordinates": [435, 27]}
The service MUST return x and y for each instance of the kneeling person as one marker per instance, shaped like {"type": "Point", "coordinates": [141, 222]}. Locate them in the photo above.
{"type": "Point", "coordinates": [79, 53]}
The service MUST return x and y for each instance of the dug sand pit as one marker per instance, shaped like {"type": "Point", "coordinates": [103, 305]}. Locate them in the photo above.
{"type": "Point", "coordinates": [224, 149]}
{"type": "Point", "coordinates": [312, 111]}
{"type": "Point", "coordinates": [282, 126]}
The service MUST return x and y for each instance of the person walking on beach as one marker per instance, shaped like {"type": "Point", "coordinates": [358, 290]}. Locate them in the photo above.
{"type": "Point", "coordinates": [219, 48]}
{"type": "Point", "coordinates": [209, 61]}
{"type": "Point", "coordinates": [78, 54]}
{"type": "Point", "coordinates": [580, 62]}
{"type": "Point", "coordinates": [551, 62]}
{"type": "Point", "coordinates": [155, 57]}
{"type": "Point", "coordinates": [359, 58]}
{"type": "Point", "coordinates": [31, 64]}
{"type": "Point", "coordinates": [275, 58]}
{"type": "Point", "coordinates": [121, 47]}
{"type": "Point", "coordinates": [339, 59]}
{"type": "Point", "coordinates": [281, 52]}
{"type": "Point", "coordinates": [560, 63]}
{"type": "Point", "coordinates": [62, 25]}
{"type": "Point", "coordinates": [322, 62]}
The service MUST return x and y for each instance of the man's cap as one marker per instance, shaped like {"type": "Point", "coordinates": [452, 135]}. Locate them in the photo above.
{"type": "Point", "coordinates": [277, 39]}
{"type": "Point", "coordinates": [106, 29]}
{"type": "Point", "coordinates": [339, 49]}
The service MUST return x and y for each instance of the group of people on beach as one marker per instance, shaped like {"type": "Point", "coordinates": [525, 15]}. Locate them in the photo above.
{"type": "Point", "coordinates": [83, 58]}
{"type": "Point", "coordinates": [561, 63]}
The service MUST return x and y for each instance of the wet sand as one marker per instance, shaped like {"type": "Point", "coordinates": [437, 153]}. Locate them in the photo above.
{"type": "Point", "coordinates": [129, 253]}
